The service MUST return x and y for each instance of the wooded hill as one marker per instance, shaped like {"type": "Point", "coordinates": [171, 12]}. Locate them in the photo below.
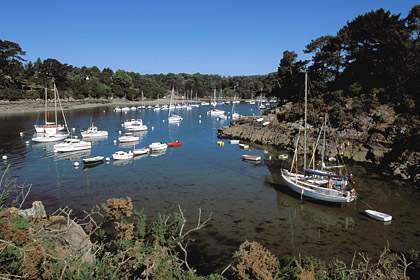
{"type": "Point", "coordinates": [373, 57]}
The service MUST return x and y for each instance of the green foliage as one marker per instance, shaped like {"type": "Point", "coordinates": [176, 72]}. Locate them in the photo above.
{"type": "Point", "coordinates": [19, 223]}
{"type": "Point", "coordinates": [11, 258]}
{"type": "Point", "coordinates": [140, 223]}
{"type": "Point", "coordinates": [164, 232]}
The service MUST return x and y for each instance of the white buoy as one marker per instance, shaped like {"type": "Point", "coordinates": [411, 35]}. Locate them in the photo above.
{"type": "Point", "coordinates": [163, 120]}
{"type": "Point", "coordinates": [74, 129]}
{"type": "Point", "coordinates": [107, 159]}
{"type": "Point", "coordinates": [4, 157]}
{"type": "Point", "coordinates": [119, 132]}
{"type": "Point", "coordinates": [199, 116]}
{"type": "Point", "coordinates": [122, 125]}
{"type": "Point", "coordinates": [76, 164]}
{"type": "Point", "coordinates": [153, 128]}
{"type": "Point", "coordinates": [21, 134]}
{"type": "Point", "coordinates": [115, 141]}
{"type": "Point", "coordinates": [104, 111]}
{"type": "Point", "coordinates": [27, 142]}
{"type": "Point", "coordinates": [199, 121]}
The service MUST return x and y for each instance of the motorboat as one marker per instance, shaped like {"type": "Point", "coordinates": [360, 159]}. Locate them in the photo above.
{"type": "Point", "coordinates": [71, 145]}
{"type": "Point", "coordinates": [125, 109]}
{"type": "Point", "coordinates": [158, 146]}
{"type": "Point", "coordinates": [128, 137]}
{"type": "Point", "coordinates": [117, 109]}
{"type": "Point", "coordinates": [215, 112]}
{"type": "Point", "coordinates": [378, 215]}
{"type": "Point", "coordinates": [251, 158]}
{"type": "Point", "coordinates": [233, 141]}
{"type": "Point", "coordinates": [141, 151]}
{"type": "Point", "coordinates": [175, 144]}
{"type": "Point", "coordinates": [174, 118]}
{"type": "Point", "coordinates": [130, 122]}
{"type": "Point", "coordinates": [137, 127]}
{"type": "Point", "coordinates": [93, 160]}
{"type": "Point", "coordinates": [121, 155]}
{"type": "Point", "coordinates": [93, 131]}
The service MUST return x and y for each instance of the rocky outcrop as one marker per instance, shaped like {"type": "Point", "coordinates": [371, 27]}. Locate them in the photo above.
{"type": "Point", "coordinates": [354, 145]}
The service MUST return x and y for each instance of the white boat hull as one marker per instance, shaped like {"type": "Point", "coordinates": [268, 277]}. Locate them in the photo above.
{"type": "Point", "coordinates": [49, 138]}
{"type": "Point", "coordinates": [378, 215]}
{"type": "Point", "coordinates": [297, 184]}
{"type": "Point", "coordinates": [72, 147]}
{"type": "Point", "coordinates": [122, 155]}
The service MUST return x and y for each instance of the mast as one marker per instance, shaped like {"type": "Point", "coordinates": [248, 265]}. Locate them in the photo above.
{"type": "Point", "coordinates": [306, 105]}
{"type": "Point", "coordinates": [323, 143]}
{"type": "Point", "coordinates": [46, 113]}
{"type": "Point", "coordinates": [55, 107]}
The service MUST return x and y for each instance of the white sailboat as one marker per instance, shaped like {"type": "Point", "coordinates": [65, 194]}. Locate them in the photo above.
{"type": "Point", "coordinates": [172, 117]}
{"type": "Point", "coordinates": [53, 134]}
{"type": "Point", "coordinates": [48, 127]}
{"type": "Point", "coordinates": [214, 111]}
{"type": "Point", "coordinates": [314, 183]}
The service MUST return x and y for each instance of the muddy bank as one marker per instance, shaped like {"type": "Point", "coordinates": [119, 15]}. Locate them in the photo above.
{"type": "Point", "coordinates": [27, 106]}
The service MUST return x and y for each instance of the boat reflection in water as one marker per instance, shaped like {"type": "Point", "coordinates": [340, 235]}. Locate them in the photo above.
{"type": "Point", "coordinates": [158, 153]}
{"type": "Point", "coordinates": [312, 221]}
{"type": "Point", "coordinates": [92, 165]}
{"type": "Point", "coordinates": [72, 156]}
{"type": "Point", "coordinates": [122, 162]}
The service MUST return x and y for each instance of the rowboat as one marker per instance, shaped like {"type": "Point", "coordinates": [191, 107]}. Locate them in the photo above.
{"type": "Point", "coordinates": [175, 144]}
{"type": "Point", "coordinates": [251, 158]}
{"type": "Point", "coordinates": [141, 151]}
{"type": "Point", "coordinates": [243, 146]}
{"type": "Point", "coordinates": [283, 156]}
{"type": "Point", "coordinates": [378, 215]}
{"type": "Point", "coordinates": [93, 160]}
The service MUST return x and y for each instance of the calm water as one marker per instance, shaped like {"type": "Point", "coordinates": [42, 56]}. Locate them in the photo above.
{"type": "Point", "coordinates": [247, 201]}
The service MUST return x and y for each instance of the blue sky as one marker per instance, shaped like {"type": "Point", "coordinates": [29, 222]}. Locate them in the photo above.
{"type": "Point", "coordinates": [151, 37]}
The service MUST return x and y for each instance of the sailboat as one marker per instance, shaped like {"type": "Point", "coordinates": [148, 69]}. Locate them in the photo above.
{"type": "Point", "coordinates": [48, 127]}
{"type": "Point", "coordinates": [235, 114]}
{"type": "Point", "coordinates": [172, 117]}
{"type": "Point", "coordinates": [51, 135]}
{"type": "Point", "coordinates": [318, 184]}
{"type": "Point", "coordinates": [214, 111]}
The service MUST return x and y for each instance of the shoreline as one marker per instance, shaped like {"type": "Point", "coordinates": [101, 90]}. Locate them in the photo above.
{"type": "Point", "coordinates": [31, 106]}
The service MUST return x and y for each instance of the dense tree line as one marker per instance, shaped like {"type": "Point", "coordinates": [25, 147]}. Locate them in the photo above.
{"type": "Point", "coordinates": [374, 56]}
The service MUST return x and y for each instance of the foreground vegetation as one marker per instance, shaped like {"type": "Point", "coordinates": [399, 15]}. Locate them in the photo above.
{"type": "Point", "coordinates": [115, 241]}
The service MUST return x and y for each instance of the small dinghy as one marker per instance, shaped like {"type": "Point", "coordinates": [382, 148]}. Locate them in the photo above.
{"type": "Point", "coordinates": [175, 144]}
{"type": "Point", "coordinates": [141, 151]}
{"type": "Point", "coordinates": [233, 141]}
{"type": "Point", "coordinates": [283, 156]}
{"type": "Point", "coordinates": [93, 160]}
{"type": "Point", "coordinates": [251, 158]}
{"type": "Point", "coordinates": [378, 215]}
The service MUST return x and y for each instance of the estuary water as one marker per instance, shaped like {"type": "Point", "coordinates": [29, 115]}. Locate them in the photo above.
{"type": "Point", "coordinates": [247, 201]}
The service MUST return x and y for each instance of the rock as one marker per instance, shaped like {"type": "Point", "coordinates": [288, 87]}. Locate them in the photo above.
{"type": "Point", "coordinates": [37, 211]}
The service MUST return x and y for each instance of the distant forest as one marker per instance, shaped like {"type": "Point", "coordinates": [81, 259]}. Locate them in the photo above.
{"type": "Point", "coordinates": [375, 56]}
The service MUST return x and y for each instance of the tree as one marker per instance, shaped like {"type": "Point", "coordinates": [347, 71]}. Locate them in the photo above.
{"type": "Point", "coordinates": [290, 74]}
{"type": "Point", "coordinates": [11, 67]}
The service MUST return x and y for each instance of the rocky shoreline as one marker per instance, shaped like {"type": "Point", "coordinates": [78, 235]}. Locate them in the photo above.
{"type": "Point", "coordinates": [354, 146]}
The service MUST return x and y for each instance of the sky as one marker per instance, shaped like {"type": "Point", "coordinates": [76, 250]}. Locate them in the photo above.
{"type": "Point", "coordinates": [224, 37]}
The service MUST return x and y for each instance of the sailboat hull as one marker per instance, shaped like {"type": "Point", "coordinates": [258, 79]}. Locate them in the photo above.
{"type": "Point", "coordinates": [308, 189]}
